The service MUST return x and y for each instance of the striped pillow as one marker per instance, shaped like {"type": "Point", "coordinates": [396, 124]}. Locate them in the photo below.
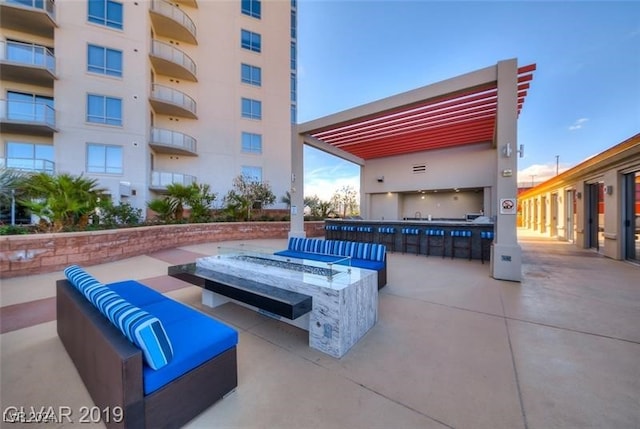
{"type": "Point", "coordinates": [141, 328]}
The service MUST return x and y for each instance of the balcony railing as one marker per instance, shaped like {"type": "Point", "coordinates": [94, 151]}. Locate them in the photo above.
{"type": "Point", "coordinates": [27, 63]}
{"type": "Point", "coordinates": [173, 62]}
{"type": "Point", "coordinates": [161, 179]}
{"type": "Point", "coordinates": [172, 141]}
{"type": "Point", "coordinates": [28, 54]}
{"type": "Point", "coordinates": [29, 164]}
{"type": "Point", "coordinates": [32, 16]}
{"type": "Point", "coordinates": [27, 112]}
{"type": "Point", "coordinates": [170, 101]}
{"type": "Point", "coordinates": [171, 21]}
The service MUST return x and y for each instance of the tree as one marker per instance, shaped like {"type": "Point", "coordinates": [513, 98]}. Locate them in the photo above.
{"type": "Point", "coordinates": [247, 195]}
{"type": "Point", "coordinates": [11, 184]}
{"type": "Point", "coordinates": [61, 201]}
{"type": "Point", "coordinates": [344, 201]}
{"type": "Point", "coordinates": [200, 202]}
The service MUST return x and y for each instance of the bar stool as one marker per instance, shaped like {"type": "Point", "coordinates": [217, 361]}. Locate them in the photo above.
{"type": "Point", "coordinates": [349, 232]}
{"type": "Point", "coordinates": [486, 238]}
{"type": "Point", "coordinates": [331, 232]}
{"type": "Point", "coordinates": [365, 234]}
{"type": "Point", "coordinates": [410, 232]}
{"type": "Point", "coordinates": [460, 240]}
{"type": "Point", "coordinates": [435, 238]}
{"type": "Point", "coordinates": [387, 236]}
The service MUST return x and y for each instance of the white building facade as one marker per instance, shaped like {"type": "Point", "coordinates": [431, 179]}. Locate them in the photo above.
{"type": "Point", "coordinates": [141, 94]}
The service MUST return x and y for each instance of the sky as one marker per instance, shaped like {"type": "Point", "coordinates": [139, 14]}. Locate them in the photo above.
{"type": "Point", "coordinates": [584, 97]}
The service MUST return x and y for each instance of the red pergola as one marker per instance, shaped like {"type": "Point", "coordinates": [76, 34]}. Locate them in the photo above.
{"type": "Point", "coordinates": [464, 117]}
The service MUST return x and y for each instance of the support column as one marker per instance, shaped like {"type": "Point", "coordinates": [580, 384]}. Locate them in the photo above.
{"type": "Point", "coordinates": [506, 254]}
{"type": "Point", "coordinates": [297, 185]}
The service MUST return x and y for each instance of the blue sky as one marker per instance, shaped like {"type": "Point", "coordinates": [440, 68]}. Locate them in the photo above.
{"type": "Point", "coordinates": [584, 98]}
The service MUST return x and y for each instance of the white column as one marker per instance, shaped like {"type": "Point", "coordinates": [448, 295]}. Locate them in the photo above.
{"type": "Point", "coordinates": [506, 254]}
{"type": "Point", "coordinates": [297, 185]}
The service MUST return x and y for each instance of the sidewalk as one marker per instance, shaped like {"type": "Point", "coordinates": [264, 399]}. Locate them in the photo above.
{"type": "Point", "coordinates": [453, 348]}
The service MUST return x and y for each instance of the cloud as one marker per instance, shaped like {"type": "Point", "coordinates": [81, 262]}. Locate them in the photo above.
{"type": "Point", "coordinates": [578, 124]}
{"type": "Point", "coordinates": [538, 173]}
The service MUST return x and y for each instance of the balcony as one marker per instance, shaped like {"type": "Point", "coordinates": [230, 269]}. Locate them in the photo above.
{"type": "Point", "coordinates": [30, 16]}
{"type": "Point", "coordinates": [172, 22]}
{"type": "Point", "coordinates": [161, 179]}
{"type": "Point", "coordinates": [172, 142]}
{"type": "Point", "coordinates": [168, 101]}
{"type": "Point", "coordinates": [23, 117]}
{"type": "Point", "coordinates": [170, 61]}
{"type": "Point", "coordinates": [29, 165]}
{"type": "Point", "coordinates": [27, 63]}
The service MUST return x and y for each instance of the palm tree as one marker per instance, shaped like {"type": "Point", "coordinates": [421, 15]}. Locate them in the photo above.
{"type": "Point", "coordinates": [62, 200]}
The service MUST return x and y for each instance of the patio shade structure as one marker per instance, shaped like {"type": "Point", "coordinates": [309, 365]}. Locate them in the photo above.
{"type": "Point", "coordinates": [462, 117]}
{"type": "Point", "coordinates": [478, 107]}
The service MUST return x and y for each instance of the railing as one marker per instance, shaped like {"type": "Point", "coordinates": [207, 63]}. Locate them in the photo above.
{"type": "Point", "coordinates": [167, 9]}
{"type": "Point", "coordinates": [28, 54]}
{"type": "Point", "coordinates": [45, 5]}
{"type": "Point", "coordinates": [26, 111]}
{"type": "Point", "coordinates": [173, 139]}
{"type": "Point", "coordinates": [29, 164]}
{"type": "Point", "coordinates": [161, 179]}
{"type": "Point", "coordinates": [169, 53]}
{"type": "Point", "coordinates": [173, 96]}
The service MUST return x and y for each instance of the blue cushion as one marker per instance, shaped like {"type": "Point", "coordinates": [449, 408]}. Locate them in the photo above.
{"type": "Point", "coordinates": [196, 339]}
{"type": "Point", "coordinates": [141, 328]}
{"type": "Point", "coordinates": [136, 293]}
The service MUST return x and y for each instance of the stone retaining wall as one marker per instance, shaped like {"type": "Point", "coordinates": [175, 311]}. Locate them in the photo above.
{"type": "Point", "coordinates": [22, 255]}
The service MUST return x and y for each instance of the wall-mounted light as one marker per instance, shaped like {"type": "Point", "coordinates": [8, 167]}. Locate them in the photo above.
{"type": "Point", "coordinates": [607, 189]}
{"type": "Point", "coordinates": [579, 195]}
{"type": "Point", "coordinates": [507, 150]}
{"type": "Point", "coordinates": [293, 177]}
{"type": "Point", "coordinates": [380, 179]}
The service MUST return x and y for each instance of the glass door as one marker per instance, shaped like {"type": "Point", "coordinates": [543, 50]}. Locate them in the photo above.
{"type": "Point", "coordinates": [631, 216]}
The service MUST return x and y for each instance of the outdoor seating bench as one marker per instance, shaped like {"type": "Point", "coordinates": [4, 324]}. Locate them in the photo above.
{"type": "Point", "coordinates": [150, 360]}
{"type": "Point", "coordinates": [370, 256]}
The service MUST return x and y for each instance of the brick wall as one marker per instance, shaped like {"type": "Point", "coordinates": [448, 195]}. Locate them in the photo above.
{"type": "Point", "coordinates": [22, 255]}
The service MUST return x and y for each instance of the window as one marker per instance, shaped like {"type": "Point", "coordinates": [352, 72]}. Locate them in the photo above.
{"type": "Point", "coordinates": [103, 158]}
{"type": "Point", "coordinates": [251, 41]}
{"type": "Point", "coordinates": [104, 110]}
{"type": "Point", "coordinates": [294, 58]}
{"type": "Point", "coordinates": [106, 12]}
{"type": "Point", "coordinates": [294, 114]}
{"type": "Point", "coordinates": [251, 75]}
{"type": "Point", "coordinates": [254, 174]}
{"type": "Point", "coordinates": [30, 157]}
{"type": "Point", "coordinates": [294, 87]}
{"type": "Point", "coordinates": [294, 24]}
{"type": "Point", "coordinates": [251, 109]}
{"type": "Point", "coordinates": [104, 60]}
{"type": "Point", "coordinates": [251, 143]}
{"type": "Point", "coordinates": [251, 8]}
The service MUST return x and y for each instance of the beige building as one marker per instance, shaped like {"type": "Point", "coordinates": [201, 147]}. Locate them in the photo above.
{"type": "Point", "coordinates": [595, 204]}
{"type": "Point", "coordinates": [141, 94]}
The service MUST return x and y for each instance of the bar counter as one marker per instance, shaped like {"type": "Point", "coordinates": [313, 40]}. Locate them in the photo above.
{"type": "Point", "coordinates": [373, 231]}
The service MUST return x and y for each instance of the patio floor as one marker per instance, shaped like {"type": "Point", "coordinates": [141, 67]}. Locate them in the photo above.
{"type": "Point", "coordinates": [453, 348]}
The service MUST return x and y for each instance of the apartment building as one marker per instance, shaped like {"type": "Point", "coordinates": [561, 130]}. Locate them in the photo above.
{"type": "Point", "coordinates": [141, 94]}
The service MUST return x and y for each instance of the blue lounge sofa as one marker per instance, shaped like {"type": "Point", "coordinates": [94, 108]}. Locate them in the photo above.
{"type": "Point", "coordinates": [371, 256]}
{"type": "Point", "coordinates": [151, 361]}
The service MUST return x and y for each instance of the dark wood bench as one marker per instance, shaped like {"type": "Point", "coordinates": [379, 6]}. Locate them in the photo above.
{"type": "Point", "coordinates": [271, 299]}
